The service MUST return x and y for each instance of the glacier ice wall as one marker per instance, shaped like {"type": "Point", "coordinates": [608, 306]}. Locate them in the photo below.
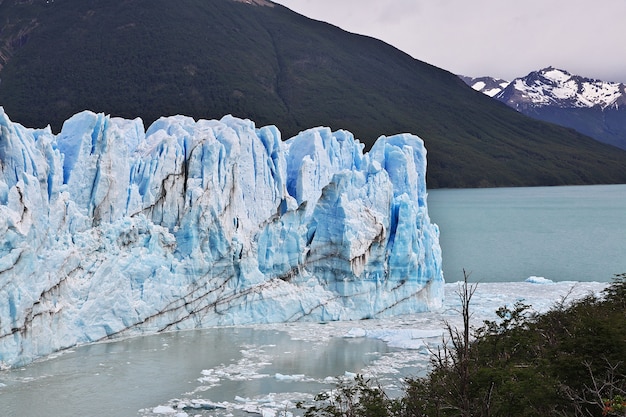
{"type": "Point", "coordinates": [110, 230]}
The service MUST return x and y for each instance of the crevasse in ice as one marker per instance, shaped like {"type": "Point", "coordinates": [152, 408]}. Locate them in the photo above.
{"type": "Point", "coordinates": [108, 230]}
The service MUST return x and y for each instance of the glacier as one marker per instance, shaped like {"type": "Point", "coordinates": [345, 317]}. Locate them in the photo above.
{"type": "Point", "coordinates": [109, 230]}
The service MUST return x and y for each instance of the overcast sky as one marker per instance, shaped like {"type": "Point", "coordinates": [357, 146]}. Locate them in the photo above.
{"type": "Point", "coordinates": [500, 38]}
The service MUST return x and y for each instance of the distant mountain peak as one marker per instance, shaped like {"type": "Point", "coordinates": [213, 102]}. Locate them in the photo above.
{"type": "Point", "coordinates": [486, 85]}
{"type": "Point", "coordinates": [592, 107]}
{"type": "Point", "coordinates": [558, 88]}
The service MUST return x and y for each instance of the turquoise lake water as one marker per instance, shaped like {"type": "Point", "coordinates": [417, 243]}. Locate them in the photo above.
{"type": "Point", "coordinates": [573, 233]}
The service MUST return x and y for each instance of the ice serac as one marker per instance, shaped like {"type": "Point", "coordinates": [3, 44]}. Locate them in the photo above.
{"type": "Point", "coordinates": [109, 230]}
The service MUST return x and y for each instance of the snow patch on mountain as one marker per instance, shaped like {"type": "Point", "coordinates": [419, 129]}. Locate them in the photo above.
{"type": "Point", "coordinates": [552, 87]}
{"type": "Point", "coordinates": [592, 107]}
{"type": "Point", "coordinates": [558, 88]}
{"type": "Point", "coordinates": [486, 85]}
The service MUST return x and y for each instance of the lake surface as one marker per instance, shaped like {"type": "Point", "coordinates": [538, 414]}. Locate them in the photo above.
{"type": "Point", "coordinates": [502, 235]}
{"type": "Point", "coordinates": [120, 378]}
{"type": "Point", "coordinates": [507, 234]}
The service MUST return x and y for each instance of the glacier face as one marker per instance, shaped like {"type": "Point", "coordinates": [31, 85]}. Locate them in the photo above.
{"type": "Point", "coordinates": [110, 230]}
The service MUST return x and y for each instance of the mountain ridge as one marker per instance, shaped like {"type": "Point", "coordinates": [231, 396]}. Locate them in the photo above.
{"type": "Point", "coordinates": [487, 85]}
{"type": "Point", "coordinates": [205, 59]}
{"type": "Point", "coordinates": [592, 107]}
{"type": "Point", "coordinates": [556, 87]}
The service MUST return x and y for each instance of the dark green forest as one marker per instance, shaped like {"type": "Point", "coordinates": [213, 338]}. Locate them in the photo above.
{"type": "Point", "coordinates": [208, 58]}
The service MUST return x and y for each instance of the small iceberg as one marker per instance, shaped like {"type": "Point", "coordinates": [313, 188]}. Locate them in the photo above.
{"type": "Point", "coordinates": [539, 280]}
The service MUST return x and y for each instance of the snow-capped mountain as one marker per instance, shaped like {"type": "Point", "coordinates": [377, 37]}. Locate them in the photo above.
{"type": "Point", "coordinates": [111, 230]}
{"type": "Point", "coordinates": [558, 88]}
{"type": "Point", "coordinates": [486, 85]}
{"type": "Point", "coordinates": [593, 107]}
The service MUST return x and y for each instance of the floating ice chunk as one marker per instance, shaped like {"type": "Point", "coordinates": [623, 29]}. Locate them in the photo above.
{"type": "Point", "coordinates": [538, 280]}
{"type": "Point", "coordinates": [297, 377]}
{"type": "Point", "coordinates": [398, 338]}
{"type": "Point", "coordinates": [356, 332]}
{"type": "Point", "coordinates": [164, 409]}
